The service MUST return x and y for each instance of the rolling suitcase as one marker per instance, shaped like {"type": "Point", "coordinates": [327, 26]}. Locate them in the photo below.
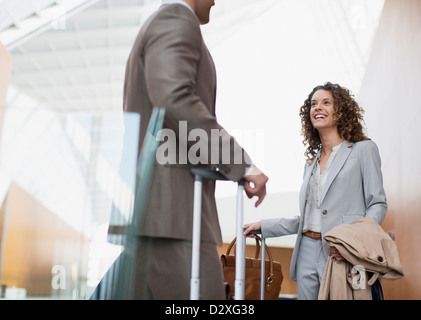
{"type": "Point", "coordinates": [200, 174]}
{"type": "Point", "coordinates": [262, 276]}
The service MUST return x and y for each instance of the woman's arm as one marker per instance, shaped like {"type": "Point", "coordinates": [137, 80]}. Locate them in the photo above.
{"type": "Point", "coordinates": [274, 227]}
{"type": "Point", "coordinates": [375, 197]}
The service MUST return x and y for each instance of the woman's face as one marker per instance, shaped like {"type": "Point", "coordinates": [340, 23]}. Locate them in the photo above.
{"type": "Point", "coordinates": [322, 111]}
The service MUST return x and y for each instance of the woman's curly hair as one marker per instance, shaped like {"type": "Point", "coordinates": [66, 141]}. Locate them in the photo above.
{"type": "Point", "coordinates": [347, 114]}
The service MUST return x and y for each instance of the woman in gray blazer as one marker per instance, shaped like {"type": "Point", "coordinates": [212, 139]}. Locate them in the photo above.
{"type": "Point", "coordinates": [342, 182]}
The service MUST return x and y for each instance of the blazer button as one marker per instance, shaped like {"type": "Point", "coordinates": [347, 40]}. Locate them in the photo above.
{"type": "Point", "coordinates": [380, 259]}
{"type": "Point", "coordinates": [324, 211]}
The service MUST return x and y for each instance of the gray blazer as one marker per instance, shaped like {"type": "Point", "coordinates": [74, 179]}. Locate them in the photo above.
{"type": "Point", "coordinates": [353, 189]}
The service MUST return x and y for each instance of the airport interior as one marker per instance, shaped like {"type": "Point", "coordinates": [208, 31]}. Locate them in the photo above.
{"type": "Point", "coordinates": [63, 133]}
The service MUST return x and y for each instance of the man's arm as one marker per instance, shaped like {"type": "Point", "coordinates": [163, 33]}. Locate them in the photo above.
{"type": "Point", "coordinates": [255, 185]}
{"type": "Point", "coordinates": [171, 56]}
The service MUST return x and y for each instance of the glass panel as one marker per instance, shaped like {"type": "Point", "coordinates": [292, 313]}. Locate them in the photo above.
{"type": "Point", "coordinates": [63, 176]}
{"type": "Point", "coordinates": [120, 281]}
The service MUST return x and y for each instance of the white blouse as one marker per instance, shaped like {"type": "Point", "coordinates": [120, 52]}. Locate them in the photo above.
{"type": "Point", "coordinates": [313, 214]}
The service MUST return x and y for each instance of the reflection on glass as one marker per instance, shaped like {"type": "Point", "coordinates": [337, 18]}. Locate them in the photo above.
{"type": "Point", "coordinates": [63, 176]}
{"type": "Point", "coordinates": [127, 276]}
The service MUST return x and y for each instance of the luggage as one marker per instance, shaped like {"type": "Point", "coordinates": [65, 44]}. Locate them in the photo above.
{"type": "Point", "coordinates": [200, 174]}
{"type": "Point", "coordinates": [270, 271]}
{"type": "Point", "coordinates": [234, 265]}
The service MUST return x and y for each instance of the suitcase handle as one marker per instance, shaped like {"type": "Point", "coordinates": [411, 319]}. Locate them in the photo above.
{"type": "Point", "coordinates": [199, 174]}
{"type": "Point", "coordinates": [209, 174]}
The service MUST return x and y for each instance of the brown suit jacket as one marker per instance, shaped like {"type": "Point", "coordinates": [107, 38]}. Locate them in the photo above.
{"type": "Point", "coordinates": [171, 67]}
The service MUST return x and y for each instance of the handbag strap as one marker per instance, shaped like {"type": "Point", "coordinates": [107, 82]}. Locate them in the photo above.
{"type": "Point", "coordinates": [257, 246]}
{"type": "Point", "coordinates": [269, 280]}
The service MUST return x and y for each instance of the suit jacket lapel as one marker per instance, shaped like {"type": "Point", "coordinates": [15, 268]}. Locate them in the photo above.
{"type": "Point", "coordinates": [304, 186]}
{"type": "Point", "coordinates": [336, 166]}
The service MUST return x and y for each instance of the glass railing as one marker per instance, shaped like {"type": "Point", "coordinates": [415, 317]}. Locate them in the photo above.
{"type": "Point", "coordinates": [65, 177]}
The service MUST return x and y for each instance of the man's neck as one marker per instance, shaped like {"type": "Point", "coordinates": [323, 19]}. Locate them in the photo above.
{"type": "Point", "coordinates": [191, 4]}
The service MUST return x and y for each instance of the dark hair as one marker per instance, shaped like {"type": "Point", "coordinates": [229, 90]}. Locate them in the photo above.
{"type": "Point", "coordinates": [347, 114]}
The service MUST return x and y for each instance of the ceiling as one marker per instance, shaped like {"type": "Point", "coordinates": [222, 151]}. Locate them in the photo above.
{"type": "Point", "coordinates": [71, 55]}
{"type": "Point", "coordinates": [78, 64]}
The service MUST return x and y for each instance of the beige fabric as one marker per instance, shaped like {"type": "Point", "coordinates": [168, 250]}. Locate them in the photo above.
{"type": "Point", "coordinates": [365, 248]}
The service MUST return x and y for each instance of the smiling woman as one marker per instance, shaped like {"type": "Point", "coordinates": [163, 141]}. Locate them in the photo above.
{"type": "Point", "coordinates": [322, 110]}
{"type": "Point", "coordinates": [333, 105]}
{"type": "Point", "coordinates": [342, 182]}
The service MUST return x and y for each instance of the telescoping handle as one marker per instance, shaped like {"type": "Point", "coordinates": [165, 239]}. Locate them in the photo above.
{"type": "Point", "coordinates": [199, 174]}
{"type": "Point", "coordinates": [240, 248]}
{"type": "Point", "coordinates": [195, 268]}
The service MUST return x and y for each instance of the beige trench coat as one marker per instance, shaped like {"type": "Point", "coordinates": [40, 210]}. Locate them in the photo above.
{"type": "Point", "coordinates": [365, 248]}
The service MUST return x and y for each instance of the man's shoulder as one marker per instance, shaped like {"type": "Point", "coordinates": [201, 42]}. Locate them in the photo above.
{"type": "Point", "coordinates": [172, 21]}
{"type": "Point", "coordinates": [175, 12]}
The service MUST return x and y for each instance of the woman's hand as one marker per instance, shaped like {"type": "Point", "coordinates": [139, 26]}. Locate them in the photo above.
{"type": "Point", "coordinates": [251, 227]}
{"type": "Point", "coordinates": [335, 253]}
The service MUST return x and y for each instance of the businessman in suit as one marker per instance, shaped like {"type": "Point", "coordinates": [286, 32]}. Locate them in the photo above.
{"type": "Point", "coordinates": [171, 67]}
{"type": "Point", "coordinates": [342, 182]}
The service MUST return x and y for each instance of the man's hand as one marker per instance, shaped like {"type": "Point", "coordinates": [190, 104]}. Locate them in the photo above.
{"type": "Point", "coordinates": [255, 185]}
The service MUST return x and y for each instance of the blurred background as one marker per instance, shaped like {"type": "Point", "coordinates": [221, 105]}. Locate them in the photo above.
{"type": "Point", "coordinates": [63, 167]}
